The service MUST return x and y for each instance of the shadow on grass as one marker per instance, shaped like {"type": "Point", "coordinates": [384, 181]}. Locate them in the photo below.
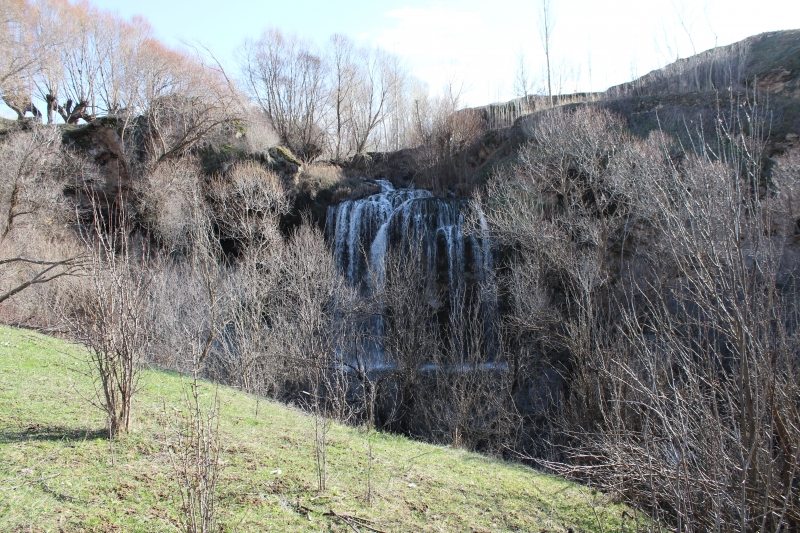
{"type": "Point", "coordinates": [37, 432]}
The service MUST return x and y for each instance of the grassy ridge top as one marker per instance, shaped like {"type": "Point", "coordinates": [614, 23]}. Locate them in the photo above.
{"type": "Point", "coordinates": [57, 472]}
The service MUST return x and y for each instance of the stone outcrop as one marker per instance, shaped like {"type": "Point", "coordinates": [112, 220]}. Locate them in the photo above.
{"type": "Point", "coordinates": [101, 141]}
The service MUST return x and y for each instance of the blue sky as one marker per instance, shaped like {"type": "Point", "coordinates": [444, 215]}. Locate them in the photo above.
{"type": "Point", "coordinates": [596, 43]}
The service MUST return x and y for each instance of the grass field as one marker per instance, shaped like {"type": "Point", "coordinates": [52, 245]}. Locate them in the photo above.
{"type": "Point", "coordinates": [59, 472]}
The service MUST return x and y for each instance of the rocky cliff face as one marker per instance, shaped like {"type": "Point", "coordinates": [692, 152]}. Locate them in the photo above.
{"type": "Point", "coordinates": [101, 141]}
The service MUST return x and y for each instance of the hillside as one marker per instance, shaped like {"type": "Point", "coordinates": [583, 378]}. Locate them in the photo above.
{"type": "Point", "coordinates": [771, 60]}
{"type": "Point", "coordinates": [57, 472]}
{"type": "Point", "coordinates": [684, 94]}
{"type": "Point", "coordinates": [763, 68]}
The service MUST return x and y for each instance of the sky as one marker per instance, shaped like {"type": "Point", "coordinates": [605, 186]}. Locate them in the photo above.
{"type": "Point", "coordinates": [477, 45]}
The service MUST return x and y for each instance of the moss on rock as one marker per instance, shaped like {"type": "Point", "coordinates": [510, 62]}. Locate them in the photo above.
{"type": "Point", "coordinates": [283, 155]}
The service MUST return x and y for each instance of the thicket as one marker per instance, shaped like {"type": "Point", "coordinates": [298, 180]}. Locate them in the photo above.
{"type": "Point", "coordinates": [658, 282]}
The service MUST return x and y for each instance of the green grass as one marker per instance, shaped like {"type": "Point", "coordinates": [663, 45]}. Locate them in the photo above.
{"type": "Point", "coordinates": [58, 473]}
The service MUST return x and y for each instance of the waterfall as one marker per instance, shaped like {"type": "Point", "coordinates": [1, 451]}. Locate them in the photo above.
{"type": "Point", "coordinates": [357, 226]}
{"type": "Point", "coordinates": [362, 233]}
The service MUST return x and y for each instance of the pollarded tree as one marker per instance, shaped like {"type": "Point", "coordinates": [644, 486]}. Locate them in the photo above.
{"type": "Point", "coordinates": [90, 63]}
{"type": "Point", "coordinates": [68, 78]}
{"type": "Point", "coordinates": [18, 55]}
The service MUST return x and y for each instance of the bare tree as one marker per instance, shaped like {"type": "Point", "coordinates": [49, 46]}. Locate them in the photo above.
{"type": "Point", "coordinates": [38, 272]}
{"type": "Point", "coordinates": [68, 78]}
{"type": "Point", "coordinates": [408, 302]}
{"type": "Point", "coordinates": [394, 127]}
{"type": "Point", "coordinates": [343, 73]}
{"type": "Point", "coordinates": [311, 286]}
{"type": "Point", "coordinates": [31, 184]}
{"type": "Point", "coordinates": [372, 89]}
{"type": "Point", "coordinates": [467, 383]}
{"type": "Point", "coordinates": [201, 102]}
{"type": "Point", "coordinates": [546, 24]}
{"type": "Point", "coordinates": [34, 213]}
{"type": "Point", "coordinates": [18, 55]}
{"type": "Point", "coordinates": [522, 78]}
{"type": "Point", "coordinates": [286, 78]}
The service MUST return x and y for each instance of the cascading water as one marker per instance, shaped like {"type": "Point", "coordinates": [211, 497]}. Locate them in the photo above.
{"type": "Point", "coordinates": [363, 232]}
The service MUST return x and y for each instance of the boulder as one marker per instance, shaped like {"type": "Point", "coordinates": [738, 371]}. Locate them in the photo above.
{"type": "Point", "coordinates": [283, 161]}
{"type": "Point", "coordinates": [360, 163]}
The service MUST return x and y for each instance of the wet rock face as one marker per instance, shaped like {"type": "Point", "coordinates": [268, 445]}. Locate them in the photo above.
{"type": "Point", "coordinates": [362, 232]}
{"type": "Point", "coordinates": [353, 228]}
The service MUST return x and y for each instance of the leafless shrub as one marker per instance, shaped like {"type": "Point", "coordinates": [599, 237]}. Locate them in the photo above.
{"type": "Point", "coordinates": [246, 208]}
{"type": "Point", "coordinates": [110, 318]}
{"type": "Point", "coordinates": [259, 135]}
{"type": "Point", "coordinates": [191, 305]}
{"type": "Point", "coordinates": [468, 383]}
{"type": "Point", "coordinates": [784, 202]}
{"type": "Point", "coordinates": [305, 319]}
{"type": "Point", "coordinates": [249, 356]}
{"type": "Point", "coordinates": [38, 250]}
{"type": "Point", "coordinates": [322, 175]}
{"type": "Point", "coordinates": [247, 204]}
{"type": "Point", "coordinates": [705, 385]}
{"type": "Point", "coordinates": [167, 201]}
{"type": "Point", "coordinates": [190, 311]}
{"type": "Point", "coordinates": [31, 190]}
{"type": "Point", "coordinates": [192, 437]}
{"type": "Point", "coordinates": [408, 301]}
